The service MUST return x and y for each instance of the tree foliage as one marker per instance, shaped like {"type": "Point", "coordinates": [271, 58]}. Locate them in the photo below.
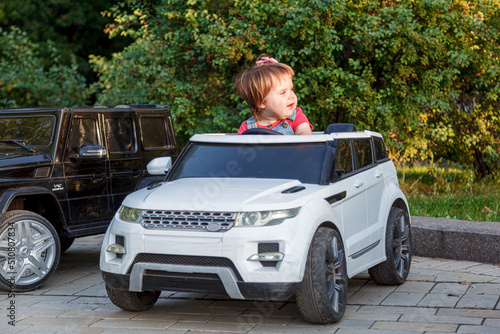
{"type": "Point", "coordinates": [74, 28]}
{"type": "Point", "coordinates": [26, 80]}
{"type": "Point", "coordinates": [425, 73]}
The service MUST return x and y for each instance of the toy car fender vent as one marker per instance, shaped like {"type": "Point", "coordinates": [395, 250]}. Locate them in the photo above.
{"type": "Point", "coordinates": [336, 197]}
{"type": "Point", "coordinates": [293, 190]}
{"type": "Point", "coordinates": [182, 220]}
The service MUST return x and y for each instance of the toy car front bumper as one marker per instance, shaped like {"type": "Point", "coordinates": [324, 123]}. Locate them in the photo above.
{"type": "Point", "coordinates": [202, 279]}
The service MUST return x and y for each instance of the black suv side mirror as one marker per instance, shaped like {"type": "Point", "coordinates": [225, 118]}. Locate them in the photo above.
{"type": "Point", "coordinates": [92, 152]}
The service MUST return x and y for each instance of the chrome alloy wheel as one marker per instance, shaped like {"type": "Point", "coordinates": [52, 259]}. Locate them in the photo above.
{"type": "Point", "coordinates": [401, 245]}
{"type": "Point", "coordinates": [335, 280]}
{"type": "Point", "coordinates": [28, 251]}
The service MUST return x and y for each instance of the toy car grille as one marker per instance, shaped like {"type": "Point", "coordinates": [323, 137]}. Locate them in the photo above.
{"type": "Point", "coordinates": [208, 221]}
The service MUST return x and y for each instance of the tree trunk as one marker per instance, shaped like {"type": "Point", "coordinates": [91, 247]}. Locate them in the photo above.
{"type": "Point", "coordinates": [481, 166]}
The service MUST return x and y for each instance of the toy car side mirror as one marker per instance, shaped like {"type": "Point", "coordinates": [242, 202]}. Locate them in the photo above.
{"type": "Point", "coordinates": [339, 172]}
{"type": "Point", "coordinates": [159, 166]}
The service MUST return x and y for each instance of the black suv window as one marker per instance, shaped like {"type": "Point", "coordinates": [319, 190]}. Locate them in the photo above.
{"type": "Point", "coordinates": [344, 156]}
{"type": "Point", "coordinates": [154, 133]}
{"type": "Point", "coordinates": [363, 149]}
{"type": "Point", "coordinates": [83, 132]}
{"type": "Point", "coordinates": [120, 134]}
{"type": "Point", "coordinates": [380, 151]}
{"type": "Point", "coordinates": [34, 131]}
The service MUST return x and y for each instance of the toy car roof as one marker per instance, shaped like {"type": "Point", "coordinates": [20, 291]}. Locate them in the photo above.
{"type": "Point", "coordinates": [316, 137]}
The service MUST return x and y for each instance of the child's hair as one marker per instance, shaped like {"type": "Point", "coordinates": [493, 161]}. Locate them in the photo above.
{"type": "Point", "coordinates": [255, 83]}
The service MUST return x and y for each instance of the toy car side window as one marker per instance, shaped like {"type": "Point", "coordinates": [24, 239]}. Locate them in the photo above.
{"type": "Point", "coordinates": [363, 152]}
{"type": "Point", "coordinates": [380, 150]}
{"type": "Point", "coordinates": [154, 133]}
{"type": "Point", "coordinates": [120, 133]}
{"type": "Point", "coordinates": [344, 157]}
{"type": "Point", "coordinates": [83, 132]}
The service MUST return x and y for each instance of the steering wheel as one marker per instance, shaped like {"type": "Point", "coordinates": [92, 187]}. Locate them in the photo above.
{"type": "Point", "coordinates": [261, 131]}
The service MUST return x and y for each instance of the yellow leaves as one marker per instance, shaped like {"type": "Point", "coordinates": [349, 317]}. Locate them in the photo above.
{"type": "Point", "coordinates": [423, 117]}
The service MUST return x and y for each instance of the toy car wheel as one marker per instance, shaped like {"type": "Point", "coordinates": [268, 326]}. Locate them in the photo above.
{"type": "Point", "coordinates": [29, 251]}
{"type": "Point", "coordinates": [322, 294]}
{"type": "Point", "coordinates": [132, 300]}
{"type": "Point", "coordinates": [395, 269]}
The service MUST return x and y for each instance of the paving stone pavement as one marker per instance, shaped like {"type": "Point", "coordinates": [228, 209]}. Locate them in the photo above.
{"type": "Point", "coordinates": [440, 296]}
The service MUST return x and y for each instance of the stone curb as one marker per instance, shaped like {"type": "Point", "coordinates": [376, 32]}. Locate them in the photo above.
{"type": "Point", "coordinates": [456, 239]}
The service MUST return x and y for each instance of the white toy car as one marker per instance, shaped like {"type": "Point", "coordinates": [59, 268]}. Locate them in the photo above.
{"type": "Point", "coordinates": [263, 218]}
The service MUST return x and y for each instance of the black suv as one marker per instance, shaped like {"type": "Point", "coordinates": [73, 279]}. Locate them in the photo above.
{"type": "Point", "coordinates": [64, 173]}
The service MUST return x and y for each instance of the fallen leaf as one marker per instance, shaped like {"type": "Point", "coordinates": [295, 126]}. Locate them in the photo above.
{"type": "Point", "coordinates": [486, 209]}
{"type": "Point", "coordinates": [465, 283]}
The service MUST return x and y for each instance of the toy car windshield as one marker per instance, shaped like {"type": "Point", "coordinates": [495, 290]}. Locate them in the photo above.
{"type": "Point", "coordinates": [303, 162]}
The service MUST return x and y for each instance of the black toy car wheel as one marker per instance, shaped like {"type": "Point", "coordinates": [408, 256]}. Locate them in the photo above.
{"type": "Point", "coordinates": [29, 251]}
{"type": "Point", "coordinates": [322, 294]}
{"type": "Point", "coordinates": [395, 269]}
{"type": "Point", "coordinates": [131, 300]}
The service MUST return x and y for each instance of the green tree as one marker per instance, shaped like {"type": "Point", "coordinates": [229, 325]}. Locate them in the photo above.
{"type": "Point", "coordinates": [26, 81]}
{"type": "Point", "coordinates": [424, 73]}
{"type": "Point", "coordinates": [74, 28]}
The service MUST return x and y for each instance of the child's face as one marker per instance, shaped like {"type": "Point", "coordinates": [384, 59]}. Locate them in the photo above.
{"type": "Point", "coordinates": [280, 102]}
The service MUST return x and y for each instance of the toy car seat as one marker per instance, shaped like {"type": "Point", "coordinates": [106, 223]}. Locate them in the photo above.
{"type": "Point", "coordinates": [339, 127]}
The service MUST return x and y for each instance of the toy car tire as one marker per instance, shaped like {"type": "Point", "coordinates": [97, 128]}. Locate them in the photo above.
{"type": "Point", "coordinates": [31, 249]}
{"type": "Point", "coordinates": [132, 300]}
{"type": "Point", "coordinates": [322, 295]}
{"type": "Point", "coordinates": [395, 269]}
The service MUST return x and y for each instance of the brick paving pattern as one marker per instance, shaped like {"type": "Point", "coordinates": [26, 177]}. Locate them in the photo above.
{"type": "Point", "coordinates": [440, 296]}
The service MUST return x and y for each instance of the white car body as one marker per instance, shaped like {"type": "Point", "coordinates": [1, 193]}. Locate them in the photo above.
{"type": "Point", "coordinates": [357, 205]}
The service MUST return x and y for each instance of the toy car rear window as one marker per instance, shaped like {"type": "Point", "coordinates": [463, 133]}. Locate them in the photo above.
{"type": "Point", "coordinates": [302, 162]}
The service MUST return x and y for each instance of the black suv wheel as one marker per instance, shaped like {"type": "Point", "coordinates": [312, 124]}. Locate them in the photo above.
{"type": "Point", "coordinates": [29, 251]}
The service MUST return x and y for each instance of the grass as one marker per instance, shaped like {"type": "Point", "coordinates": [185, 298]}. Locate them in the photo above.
{"type": "Point", "coordinates": [450, 192]}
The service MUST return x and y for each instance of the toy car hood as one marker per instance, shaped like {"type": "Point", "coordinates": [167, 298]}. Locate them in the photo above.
{"type": "Point", "coordinates": [222, 194]}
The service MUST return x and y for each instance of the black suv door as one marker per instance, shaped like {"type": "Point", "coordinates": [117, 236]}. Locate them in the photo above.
{"type": "Point", "coordinates": [86, 182]}
{"type": "Point", "coordinates": [125, 168]}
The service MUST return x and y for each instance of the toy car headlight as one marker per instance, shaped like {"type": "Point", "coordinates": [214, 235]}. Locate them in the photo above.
{"type": "Point", "coordinates": [130, 215]}
{"type": "Point", "coordinates": [264, 218]}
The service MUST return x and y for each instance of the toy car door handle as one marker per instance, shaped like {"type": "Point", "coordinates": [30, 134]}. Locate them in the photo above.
{"type": "Point", "coordinates": [358, 184]}
{"type": "Point", "coordinates": [379, 174]}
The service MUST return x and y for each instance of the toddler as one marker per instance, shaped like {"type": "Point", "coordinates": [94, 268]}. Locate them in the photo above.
{"type": "Point", "coordinates": [267, 88]}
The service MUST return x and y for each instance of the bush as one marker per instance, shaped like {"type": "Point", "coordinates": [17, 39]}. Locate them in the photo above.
{"type": "Point", "coordinates": [27, 81]}
{"type": "Point", "coordinates": [424, 73]}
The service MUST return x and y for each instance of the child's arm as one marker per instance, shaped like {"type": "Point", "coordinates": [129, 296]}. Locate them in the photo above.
{"type": "Point", "coordinates": [303, 129]}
